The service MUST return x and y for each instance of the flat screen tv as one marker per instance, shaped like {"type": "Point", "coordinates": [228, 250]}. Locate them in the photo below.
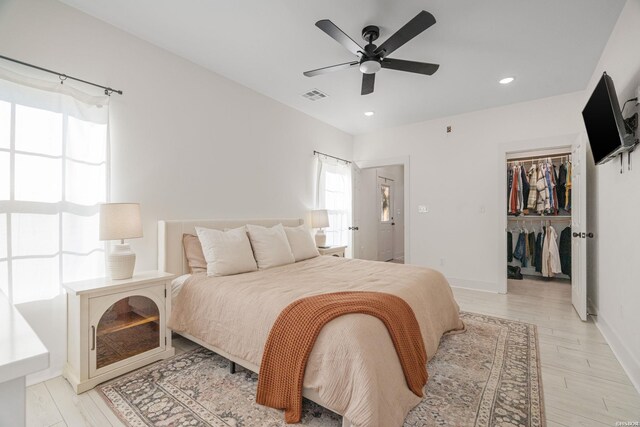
{"type": "Point", "coordinates": [604, 122]}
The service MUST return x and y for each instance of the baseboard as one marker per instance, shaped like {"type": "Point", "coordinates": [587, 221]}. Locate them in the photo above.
{"type": "Point", "coordinates": [473, 285]}
{"type": "Point", "coordinates": [629, 362]}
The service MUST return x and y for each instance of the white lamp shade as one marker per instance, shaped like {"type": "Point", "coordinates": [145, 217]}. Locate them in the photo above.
{"type": "Point", "coordinates": [319, 218]}
{"type": "Point", "coordinates": [120, 221]}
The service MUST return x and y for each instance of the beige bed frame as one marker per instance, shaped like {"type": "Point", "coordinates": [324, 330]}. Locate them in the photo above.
{"type": "Point", "coordinates": [171, 259]}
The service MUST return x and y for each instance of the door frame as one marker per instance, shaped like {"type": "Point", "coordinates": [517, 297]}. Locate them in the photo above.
{"type": "Point", "coordinates": [560, 142]}
{"type": "Point", "coordinates": [405, 162]}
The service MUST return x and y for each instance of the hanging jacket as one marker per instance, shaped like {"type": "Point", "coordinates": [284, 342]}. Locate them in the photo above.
{"type": "Point", "coordinates": [547, 176]}
{"type": "Point", "coordinates": [532, 247]}
{"type": "Point", "coordinates": [554, 181]}
{"type": "Point", "coordinates": [538, 258]}
{"type": "Point", "coordinates": [561, 185]}
{"type": "Point", "coordinates": [533, 193]}
{"type": "Point", "coordinates": [509, 246]}
{"type": "Point", "coordinates": [550, 254]}
{"type": "Point", "coordinates": [513, 198]}
{"type": "Point", "coordinates": [567, 200]}
{"type": "Point", "coordinates": [543, 192]}
{"type": "Point", "coordinates": [509, 185]}
{"type": "Point", "coordinates": [519, 252]}
{"type": "Point", "coordinates": [520, 190]}
{"type": "Point", "coordinates": [525, 189]}
{"type": "Point", "coordinates": [565, 251]}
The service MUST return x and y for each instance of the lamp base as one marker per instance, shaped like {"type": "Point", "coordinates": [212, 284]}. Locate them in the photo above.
{"type": "Point", "coordinates": [121, 262]}
{"type": "Point", "coordinates": [321, 238]}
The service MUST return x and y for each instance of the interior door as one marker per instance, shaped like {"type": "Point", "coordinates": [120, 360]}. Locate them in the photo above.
{"type": "Point", "coordinates": [579, 226]}
{"type": "Point", "coordinates": [365, 223]}
{"type": "Point", "coordinates": [385, 193]}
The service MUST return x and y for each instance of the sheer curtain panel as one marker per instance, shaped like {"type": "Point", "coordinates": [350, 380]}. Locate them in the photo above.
{"type": "Point", "coordinates": [53, 174]}
{"type": "Point", "coordinates": [334, 195]}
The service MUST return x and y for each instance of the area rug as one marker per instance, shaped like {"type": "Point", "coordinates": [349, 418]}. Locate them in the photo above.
{"type": "Point", "coordinates": [488, 376]}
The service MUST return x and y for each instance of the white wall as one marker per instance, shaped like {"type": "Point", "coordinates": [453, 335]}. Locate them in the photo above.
{"type": "Point", "coordinates": [614, 286]}
{"type": "Point", "coordinates": [460, 178]}
{"type": "Point", "coordinates": [185, 142]}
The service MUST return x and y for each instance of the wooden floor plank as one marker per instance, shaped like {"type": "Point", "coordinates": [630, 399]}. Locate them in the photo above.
{"type": "Point", "coordinates": [77, 410]}
{"type": "Point", "coordinates": [41, 409]}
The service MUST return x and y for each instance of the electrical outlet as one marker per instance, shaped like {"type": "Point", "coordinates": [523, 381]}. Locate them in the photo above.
{"type": "Point", "coordinates": [423, 209]}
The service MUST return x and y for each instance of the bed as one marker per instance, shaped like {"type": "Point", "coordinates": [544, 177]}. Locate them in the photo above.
{"type": "Point", "coordinates": [353, 368]}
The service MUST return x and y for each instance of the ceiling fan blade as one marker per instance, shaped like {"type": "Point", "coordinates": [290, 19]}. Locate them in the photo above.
{"type": "Point", "coordinates": [338, 35]}
{"type": "Point", "coordinates": [330, 69]}
{"type": "Point", "coordinates": [410, 66]}
{"type": "Point", "coordinates": [367, 83]}
{"type": "Point", "coordinates": [418, 24]}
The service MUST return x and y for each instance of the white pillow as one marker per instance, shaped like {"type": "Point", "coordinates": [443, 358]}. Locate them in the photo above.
{"type": "Point", "coordinates": [226, 252]}
{"type": "Point", "coordinates": [302, 244]}
{"type": "Point", "coordinates": [270, 246]}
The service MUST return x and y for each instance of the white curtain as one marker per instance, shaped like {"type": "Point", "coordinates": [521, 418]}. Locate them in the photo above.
{"type": "Point", "coordinates": [53, 174]}
{"type": "Point", "coordinates": [334, 194]}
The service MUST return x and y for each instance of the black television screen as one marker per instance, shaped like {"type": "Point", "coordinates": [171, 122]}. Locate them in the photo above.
{"type": "Point", "coordinates": [603, 120]}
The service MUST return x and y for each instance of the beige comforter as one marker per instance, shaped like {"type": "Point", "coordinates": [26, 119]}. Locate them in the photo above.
{"type": "Point", "coordinates": [353, 366]}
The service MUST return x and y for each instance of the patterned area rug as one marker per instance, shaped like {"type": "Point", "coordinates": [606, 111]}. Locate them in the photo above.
{"type": "Point", "coordinates": [488, 376]}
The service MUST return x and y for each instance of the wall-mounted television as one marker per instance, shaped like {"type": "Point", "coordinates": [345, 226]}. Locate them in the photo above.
{"type": "Point", "coordinates": [603, 119]}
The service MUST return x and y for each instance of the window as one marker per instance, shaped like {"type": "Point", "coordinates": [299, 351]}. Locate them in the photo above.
{"type": "Point", "coordinates": [334, 195]}
{"type": "Point", "coordinates": [385, 203]}
{"type": "Point", "coordinates": [53, 175]}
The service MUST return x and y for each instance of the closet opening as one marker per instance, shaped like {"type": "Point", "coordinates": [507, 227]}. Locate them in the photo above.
{"type": "Point", "coordinates": [539, 217]}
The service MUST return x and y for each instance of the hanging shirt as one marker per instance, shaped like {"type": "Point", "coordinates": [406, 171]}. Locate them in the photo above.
{"type": "Point", "coordinates": [525, 189]}
{"type": "Point", "coordinates": [567, 200]}
{"type": "Point", "coordinates": [533, 193]}
{"type": "Point", "coordinates": [543, 192]}
{"type": "Point", "coordinates": [561, 185]}
{"type": "Point", "coordinates": [565, 251]}
{"type": "Point", "coordinates": [547, 176]}
{"type": "Point", "coordinates": [550, 254]}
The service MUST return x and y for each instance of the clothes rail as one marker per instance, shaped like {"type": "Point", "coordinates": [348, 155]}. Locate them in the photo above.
{"type": "Point", "coordinates": [534, 158]}
{"type": "Point", "coordinates": [540, 218]}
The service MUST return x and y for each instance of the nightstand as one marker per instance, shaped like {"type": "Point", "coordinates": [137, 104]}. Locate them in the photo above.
{"type": "Point", "coordinates": [333, 251]}
{"type": "Point", "coordinates": [116, 326]}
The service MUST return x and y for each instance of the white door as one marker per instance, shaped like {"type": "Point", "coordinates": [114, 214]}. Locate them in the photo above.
{"type": "Point", "coordinates": [579, 226]}
{"type": "Point", "coordinates": [385, 219]}
{"type": "Point", "coordinates": [365, 222]}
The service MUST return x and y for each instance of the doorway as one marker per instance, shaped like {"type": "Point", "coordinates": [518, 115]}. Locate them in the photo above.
{"type": "Point", "coordinates": [379, 220]}
{"type": "Point", "coordinates": [546, 230]}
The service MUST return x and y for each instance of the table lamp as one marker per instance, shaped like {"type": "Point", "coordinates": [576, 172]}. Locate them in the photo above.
{"type": "Point", "coordinates": [320, 219]}
{"type": "Point", "coordinates": [119, 221]}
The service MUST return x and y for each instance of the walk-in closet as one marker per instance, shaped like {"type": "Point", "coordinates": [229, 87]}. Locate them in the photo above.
{"type": "Point", "coordinates": [539, 195]}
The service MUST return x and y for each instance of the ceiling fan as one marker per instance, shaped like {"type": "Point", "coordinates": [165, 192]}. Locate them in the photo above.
{"type": "Point", "coordinates": [372, 57]}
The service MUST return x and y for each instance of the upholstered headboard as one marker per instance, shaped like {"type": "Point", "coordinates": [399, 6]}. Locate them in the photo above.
{"type": "Point", "coordinates": [170, 252]}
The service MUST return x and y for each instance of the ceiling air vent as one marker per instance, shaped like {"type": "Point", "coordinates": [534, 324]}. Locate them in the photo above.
{"type": "Point", "coordinates": [314, 95]}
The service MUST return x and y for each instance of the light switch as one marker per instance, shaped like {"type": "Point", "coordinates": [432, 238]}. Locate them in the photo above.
{"type": "Point", "coordinates": [422, 209]}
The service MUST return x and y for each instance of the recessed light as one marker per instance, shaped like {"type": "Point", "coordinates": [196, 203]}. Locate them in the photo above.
{"type": "Point", "coordinates": [368, 113]}
{"type": "Point", "coordinates": [506, 80]}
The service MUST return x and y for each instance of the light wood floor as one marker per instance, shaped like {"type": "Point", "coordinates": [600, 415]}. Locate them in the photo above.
{"type": "Point", "coordinates": [584, 385]}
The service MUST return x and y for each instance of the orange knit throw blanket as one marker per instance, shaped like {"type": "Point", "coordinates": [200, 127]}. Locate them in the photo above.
{"type": "Point", "coordinates": [295, 331]}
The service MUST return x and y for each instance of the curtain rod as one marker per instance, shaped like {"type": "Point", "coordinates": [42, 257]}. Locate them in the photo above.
{"type": "Point", "coordinates": [107, 90]}
{"type": "Point", "coordinates": [528, 159]}
{"type": "Point", "coordinates": [333, 157]}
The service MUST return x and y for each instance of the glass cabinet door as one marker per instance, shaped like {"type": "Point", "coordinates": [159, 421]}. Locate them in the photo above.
{"type": "Point", "coordinates": [129, 327]}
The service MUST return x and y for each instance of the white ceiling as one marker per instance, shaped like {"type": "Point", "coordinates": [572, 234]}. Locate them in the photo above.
{"type": "Point", "coordinates": [550, 46]}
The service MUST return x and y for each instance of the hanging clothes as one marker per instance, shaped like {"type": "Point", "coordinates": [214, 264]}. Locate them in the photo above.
{"type": "Point", "coordinates": [533, 193]}
{"type": "Point", "coordinates": [532, 247]}
{"type": "Point", "coordinates": [520, 252]}
{"type": "Point", "coordinates": [550, 254]}
{"type": "Point", "coordinates": [565, 251]}
{"type": "Point", "coordinates": [513, 200]}
{"type": "Point", "coordinates": [567, 200]}
{"type": "Point", "coordinates": [525, 189]}
{"type": "Point", "coordinates": [554, 183]}
{"type": "Point", "coordinates": [509, 185]}
{"type": "Point", "coordinates": [538, 258]}
{"type": "Point", "coordinates": [509, 246]}
{"type": "Point", "coordinates": [543, 191]}
{"type": "Point", "coordinates": [561, 185]}
{"type": "Point", "coordinates": [547, 175]}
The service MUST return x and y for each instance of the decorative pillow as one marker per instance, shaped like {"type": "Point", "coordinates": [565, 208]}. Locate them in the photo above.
{"type": "Point", "coordinates": [193, 252]}
{"type": "Point", "coordinates": [270, 246]}
{"type": "Point", "coordinates": [226, 252]}
{"type": "Point", "coordinates": [302, 244]}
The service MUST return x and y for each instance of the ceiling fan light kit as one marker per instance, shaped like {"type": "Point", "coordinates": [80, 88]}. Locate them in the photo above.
{"type": "Point", "coordinates": [373, 58]}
